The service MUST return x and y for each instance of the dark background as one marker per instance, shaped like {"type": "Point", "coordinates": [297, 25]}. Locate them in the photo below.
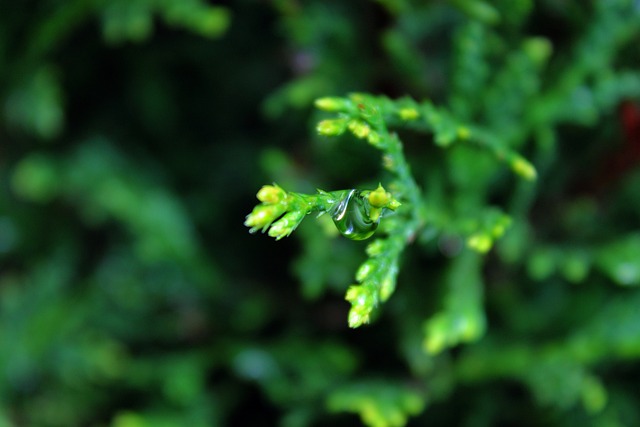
{"type": "Point", "coordinates": [134, 135]}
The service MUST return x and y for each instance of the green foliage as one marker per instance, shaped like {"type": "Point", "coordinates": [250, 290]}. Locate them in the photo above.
{"type": "Point", "coordinates": [379, 404]}
{"type": "Point", "coordinates": [483, 232]}
{"type": "Point", "coordinates": [370, 118]}
{"type": "Point", "coordinates": [133, 20]}
{"type": "Point", "coordinates": [355, 213]}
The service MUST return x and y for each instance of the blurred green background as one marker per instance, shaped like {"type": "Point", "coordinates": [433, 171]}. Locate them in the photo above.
{"type": "Point", "coordinates": [134, 135]}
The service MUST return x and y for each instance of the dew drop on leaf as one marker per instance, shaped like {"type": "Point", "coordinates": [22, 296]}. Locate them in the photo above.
{"type": "Point", "coordinates": [351, 216]}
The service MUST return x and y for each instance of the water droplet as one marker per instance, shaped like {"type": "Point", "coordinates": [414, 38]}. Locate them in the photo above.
{"type": "Point", "coordinates": [351, 216]}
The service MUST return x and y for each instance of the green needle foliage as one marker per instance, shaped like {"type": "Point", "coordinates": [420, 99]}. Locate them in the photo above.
{"type": "Point", "coordinates": [355, 213]}
{"type": "Point", "coordinates": [479, 163]}
{"type": "Point", "coordinates": [373, 119]}
{"type": "Point", "coordinates": [506, 96]}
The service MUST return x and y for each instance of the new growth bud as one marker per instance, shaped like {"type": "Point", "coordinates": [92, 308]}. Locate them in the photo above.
{"type": "Point", "coordinates": [523, 168]}
{"type": "Point", "coordinates": [408, 114]}
{"type": "Point", "coordinates": [365, 269]}
{"type": "Point", "coordinates": [271, 194]}
{"type": "Point", "coordinates": [262, 216]}
{"type": "Point", "coordinates": [374, 139]}
{"type": "Point", "coordinates": [332, 104]}
{"type": "Point", "coordinates": [379, 198]}
{"type": "Point", "coordinates": [332, 127]}
{"type": "Point", "coordinates": [362, 303]}
{"type": "Point", "coordinates": [359, 128]}
{"type": "Point", "coordinates": [285, 225]}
